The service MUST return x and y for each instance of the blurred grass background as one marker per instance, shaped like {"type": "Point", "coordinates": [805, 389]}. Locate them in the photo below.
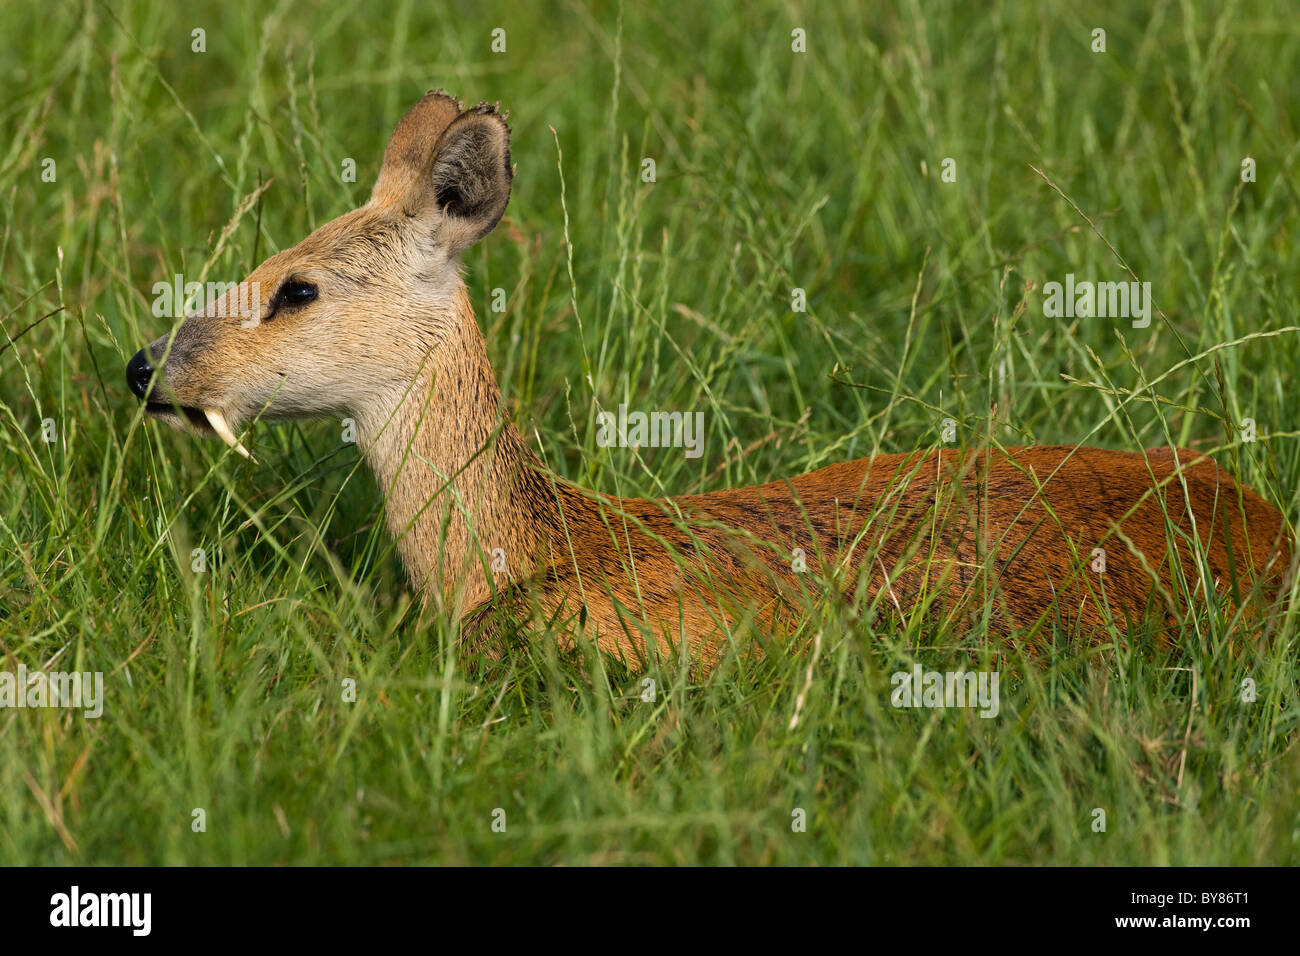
{"type": "Point", "coordinates": [775, 170]}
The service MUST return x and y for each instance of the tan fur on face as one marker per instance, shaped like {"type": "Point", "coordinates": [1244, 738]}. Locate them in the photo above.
{"type": "Point", "coordinates": [382, 308]}
{"type": "Point", "coordinates": [1002, 539]}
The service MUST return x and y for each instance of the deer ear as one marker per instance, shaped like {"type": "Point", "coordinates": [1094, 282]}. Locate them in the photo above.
{"type": "Point", "coordinates": [470, 178]}
{"type": "Point", "coordinates": [449, 169]}
{"type": "Point", "coordinates": [410, 152]}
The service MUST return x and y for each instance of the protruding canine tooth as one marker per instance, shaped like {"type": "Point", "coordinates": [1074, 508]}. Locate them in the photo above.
{"type": "Point", "coordinates": [222, 427]}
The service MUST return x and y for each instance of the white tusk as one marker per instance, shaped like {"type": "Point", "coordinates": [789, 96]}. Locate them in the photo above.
{"type": "Point", "coordinates": [222, 427]}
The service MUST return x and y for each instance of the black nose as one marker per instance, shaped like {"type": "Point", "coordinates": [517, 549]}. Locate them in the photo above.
{"type": "Point", "coordinates": [138, 373]}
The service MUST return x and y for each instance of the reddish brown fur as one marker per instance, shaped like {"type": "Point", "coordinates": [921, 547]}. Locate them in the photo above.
{"type": "Point", "coordinates": [944, 533]}
{"type": "Point", "coordinates": [953, 535]}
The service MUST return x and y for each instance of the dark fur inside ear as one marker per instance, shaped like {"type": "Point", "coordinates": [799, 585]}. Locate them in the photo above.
{"type": "Point", "coordinates": [471, 176]}
{"type": "Point", "coordinates": [411, 150]}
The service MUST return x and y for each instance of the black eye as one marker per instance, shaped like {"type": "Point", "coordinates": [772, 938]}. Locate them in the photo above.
{"type": "Point", "coordinates": [294, 292]}
{"type": "Point", "coordinates": [291, 294]}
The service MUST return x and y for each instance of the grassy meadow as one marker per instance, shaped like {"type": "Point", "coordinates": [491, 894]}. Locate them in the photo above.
{"type": "Point", "coordinates": [919, 171]}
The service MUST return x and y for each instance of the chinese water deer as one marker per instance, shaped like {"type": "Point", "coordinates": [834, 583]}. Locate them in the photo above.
{"type": "Point", "coordinates": [368, 318]}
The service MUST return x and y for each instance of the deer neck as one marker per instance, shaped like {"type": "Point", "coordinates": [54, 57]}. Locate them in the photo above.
{"type": "Point", "coordinates": [466, 500]}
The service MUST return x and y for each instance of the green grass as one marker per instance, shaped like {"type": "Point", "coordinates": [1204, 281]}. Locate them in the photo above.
{"type": "Point", "coordinates": [775, 171]}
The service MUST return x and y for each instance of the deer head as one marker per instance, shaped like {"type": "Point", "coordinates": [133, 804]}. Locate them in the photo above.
{"type": "Point", "coordinates": [344, 322]}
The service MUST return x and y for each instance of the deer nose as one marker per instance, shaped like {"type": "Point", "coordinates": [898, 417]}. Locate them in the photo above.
{"type": "Point", "coordinates": [139, 372]}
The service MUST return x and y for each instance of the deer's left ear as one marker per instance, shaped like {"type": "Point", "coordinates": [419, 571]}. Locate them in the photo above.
{"type": "Point", "coordinates": [448, 170]}
{"type": "Point", "coordinates": [470, 177]}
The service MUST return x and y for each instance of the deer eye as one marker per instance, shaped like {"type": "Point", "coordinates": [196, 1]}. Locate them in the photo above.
{"type": "Point", "coordinates": [294, 292]}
